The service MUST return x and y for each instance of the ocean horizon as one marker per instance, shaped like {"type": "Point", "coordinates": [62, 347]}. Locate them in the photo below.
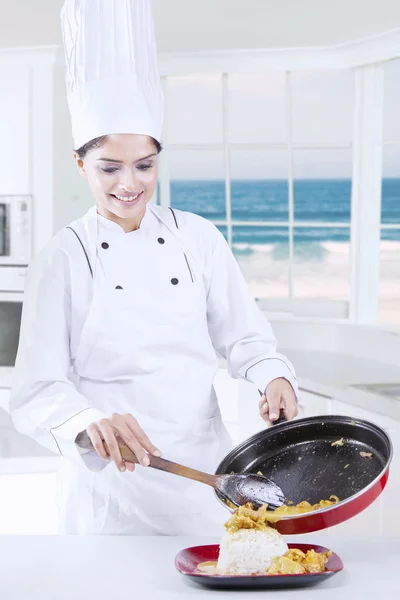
{"type": "Point", "coordinates": [318, 200]}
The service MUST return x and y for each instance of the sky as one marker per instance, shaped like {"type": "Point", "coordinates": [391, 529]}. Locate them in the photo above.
{"type": "Point", "coordinates": [322, 115]}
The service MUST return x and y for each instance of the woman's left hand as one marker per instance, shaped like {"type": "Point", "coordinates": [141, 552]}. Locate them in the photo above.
{"type": "Point", "coordinates": [278, 395]}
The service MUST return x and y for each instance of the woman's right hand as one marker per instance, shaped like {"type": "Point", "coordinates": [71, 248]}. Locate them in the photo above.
{"type": "Point", "coordinates": [117, 429]}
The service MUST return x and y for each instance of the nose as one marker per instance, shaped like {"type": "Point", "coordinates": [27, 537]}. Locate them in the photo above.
{"type": "Point", "coordinates": [128, 182]}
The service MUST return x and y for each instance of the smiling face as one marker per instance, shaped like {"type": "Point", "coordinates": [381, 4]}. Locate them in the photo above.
{"type": "Point", "coordinates": [122, 174]}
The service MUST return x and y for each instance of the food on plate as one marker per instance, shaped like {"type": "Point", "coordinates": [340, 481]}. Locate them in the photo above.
{"type": "Point", "coordinates": [209, 567]}
{"type": "Point", "coordinates": [251, 546]}
{"type": "Point", "coordinates": [249, 551]}
{"type": "Point", "coordinates": [296, 562]}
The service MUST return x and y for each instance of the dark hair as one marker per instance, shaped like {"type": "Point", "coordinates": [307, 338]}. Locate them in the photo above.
{"type": "Point", "coordinates": [97, 142]}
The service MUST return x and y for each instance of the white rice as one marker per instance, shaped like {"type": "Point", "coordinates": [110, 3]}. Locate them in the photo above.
{"type": "Point", "coordinates": [249, 551]}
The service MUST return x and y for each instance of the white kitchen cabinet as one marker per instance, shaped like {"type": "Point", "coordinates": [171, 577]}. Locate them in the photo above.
{"type": "Point", "coordinates": [15, 445]}
{"type": "Point", "coordinates": [27, 132]}
{"type": "Point", "coordinates": [15, 129]}
{"type": "Point", "coordinates": [12, 279]}
{"type": "Point", "coordinates": [28, 504]}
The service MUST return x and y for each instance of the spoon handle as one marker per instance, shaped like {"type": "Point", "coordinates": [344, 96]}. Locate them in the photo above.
{"type": "Point", "coordinates": [161, 464]}
{"type": "Point", "coordinates": [171, 467]}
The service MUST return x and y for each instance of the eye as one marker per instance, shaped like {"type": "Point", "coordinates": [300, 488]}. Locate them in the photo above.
{"type": "Point", "coordinates": [109, 169]}
{"type": "Point", "coordinates": [145, 166]}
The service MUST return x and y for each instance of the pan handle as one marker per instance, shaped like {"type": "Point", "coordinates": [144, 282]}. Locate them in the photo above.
{"type": "Point", "coordinates": [282, 417]}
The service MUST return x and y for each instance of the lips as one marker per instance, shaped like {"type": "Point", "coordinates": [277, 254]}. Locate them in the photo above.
{"type": "Point", "coordinates": [127, 200]}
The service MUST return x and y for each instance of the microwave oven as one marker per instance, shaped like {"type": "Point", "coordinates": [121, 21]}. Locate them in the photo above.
{"type": "Point", "coordinates": [15, 230]}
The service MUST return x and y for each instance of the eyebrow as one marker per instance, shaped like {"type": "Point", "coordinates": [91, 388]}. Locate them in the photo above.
{"type": "Point", "coordinates": [113, 160]}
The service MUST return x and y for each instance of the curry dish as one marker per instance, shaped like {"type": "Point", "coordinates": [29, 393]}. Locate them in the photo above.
{"type": "Point", "coordinates": [245, 517]}
{"type": "Point", "coordinates": [294, 561]}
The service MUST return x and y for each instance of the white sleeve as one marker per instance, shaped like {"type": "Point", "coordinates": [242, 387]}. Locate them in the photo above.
{"type": "Point", "coordinates": [44, 403]}
{"type": "Point", "coordinates": [238, 329]}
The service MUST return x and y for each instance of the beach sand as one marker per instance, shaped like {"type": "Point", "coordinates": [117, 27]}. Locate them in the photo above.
{"type": "Point", "coordinates": [320, 271]}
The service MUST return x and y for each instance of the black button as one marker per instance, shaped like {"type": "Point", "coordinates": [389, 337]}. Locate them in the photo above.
{"type": "Point", "coordinates": [161, 241]}
{"type": "Point", "coordinates": [119, 287]}
{"type": "Point", "coordinates": [174, 281]}
{"type": "Point", "coordinates": [105, 245]}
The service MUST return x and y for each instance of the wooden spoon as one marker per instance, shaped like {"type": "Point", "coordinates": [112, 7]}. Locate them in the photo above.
{"type": "Point", "coordinates": [238, 489]}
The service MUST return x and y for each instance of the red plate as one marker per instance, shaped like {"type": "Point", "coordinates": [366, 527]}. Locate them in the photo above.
{"type": "Point", "coordinates": [187, 561]}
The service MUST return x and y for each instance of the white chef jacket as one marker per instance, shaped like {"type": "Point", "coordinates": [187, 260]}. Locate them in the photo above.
{"type": "Point", "coordinates": [46, 404]}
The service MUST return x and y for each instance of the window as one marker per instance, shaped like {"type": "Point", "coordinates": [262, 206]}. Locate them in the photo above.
{"type": "Point", "coordinates": [322, 107]}
{"type": "Point", "coordinates": [198, 182]}
{"type": "Point", "coordinates": [268, 159]}
{"type": "Point", "coordinates": [259, 207]}
{"type": "Point", "coordinates": [389, 292]}
{"type": "Point", "coordinates": [257, 108]}
{"type": "Point", "coordinates": [259, 185]}
{"type": "Point", "coordinates": [194, 109]}
{"type": "Point", "coordinates": [321, 265]}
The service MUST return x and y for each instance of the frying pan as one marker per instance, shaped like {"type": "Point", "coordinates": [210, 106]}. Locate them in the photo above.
{"type": "Point", "coordinates": [304, 459]}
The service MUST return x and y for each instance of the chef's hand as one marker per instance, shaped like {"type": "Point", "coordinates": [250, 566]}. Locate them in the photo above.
{"type": "Point", "coordinates": [278, 395]}
{"type": "Point", "coordinates": [123, 428]}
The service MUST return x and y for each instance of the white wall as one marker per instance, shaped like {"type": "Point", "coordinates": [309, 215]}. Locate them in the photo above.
{"type": "Point", "coordinates": [71, 193]}
{"type": "Point", "coordinates": [193, 25]}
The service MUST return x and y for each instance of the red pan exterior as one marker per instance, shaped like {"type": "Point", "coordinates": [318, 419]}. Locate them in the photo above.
{"type": "Point", "coordinates": [329, 517]}
{"type": "Point", "coordinates": [344, 510]}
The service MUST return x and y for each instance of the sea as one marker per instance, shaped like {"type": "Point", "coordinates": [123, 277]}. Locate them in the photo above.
{"type": "Point", "coordinates": [322, 200]}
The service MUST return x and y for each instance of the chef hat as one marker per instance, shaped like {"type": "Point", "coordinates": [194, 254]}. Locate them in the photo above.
{"type": "Point", "coordinates": [113, 84]}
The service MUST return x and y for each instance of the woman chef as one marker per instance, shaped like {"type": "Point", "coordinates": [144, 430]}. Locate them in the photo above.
{"type": "Point", "coordinates": [126, 308]}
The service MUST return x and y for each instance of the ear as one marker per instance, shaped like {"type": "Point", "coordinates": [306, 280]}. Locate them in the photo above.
{"type": "Point", "coordinates": [80, 163]}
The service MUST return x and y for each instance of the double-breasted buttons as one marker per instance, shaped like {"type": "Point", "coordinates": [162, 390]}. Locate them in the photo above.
{"type": "Point", "coordinates": [161, 240]}
{"type": "Point", "coordinates": [105, 245]}
{"type": "Point", "coordinates": [174, 281]}
{"type": "Point", "coordinates": [119, 287]}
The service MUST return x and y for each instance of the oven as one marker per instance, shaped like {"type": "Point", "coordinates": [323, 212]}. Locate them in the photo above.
{"type": "Point", "coordinates": [10, 324]}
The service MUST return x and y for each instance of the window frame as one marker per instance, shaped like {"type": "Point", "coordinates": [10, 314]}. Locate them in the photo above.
{"type": "Point", "coordinates": [367, 62]}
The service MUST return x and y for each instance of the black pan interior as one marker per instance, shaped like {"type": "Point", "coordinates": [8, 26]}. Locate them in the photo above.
{"type": "Point", "coordinates": [299, 456]}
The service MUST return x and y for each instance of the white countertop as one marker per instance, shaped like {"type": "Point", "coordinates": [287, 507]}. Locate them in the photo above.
{"type": "Point", "coordinates": [104, 567]}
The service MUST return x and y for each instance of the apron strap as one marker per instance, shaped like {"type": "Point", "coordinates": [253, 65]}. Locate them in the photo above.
{"type": "Point", "coordinates": [173, 214]}
{"type": "Point", "coordinates": [184, 253]}
{"type": "Point", "coordinates": [173, 225]}
{"type": "Point", "coordinates": [84, 250]}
